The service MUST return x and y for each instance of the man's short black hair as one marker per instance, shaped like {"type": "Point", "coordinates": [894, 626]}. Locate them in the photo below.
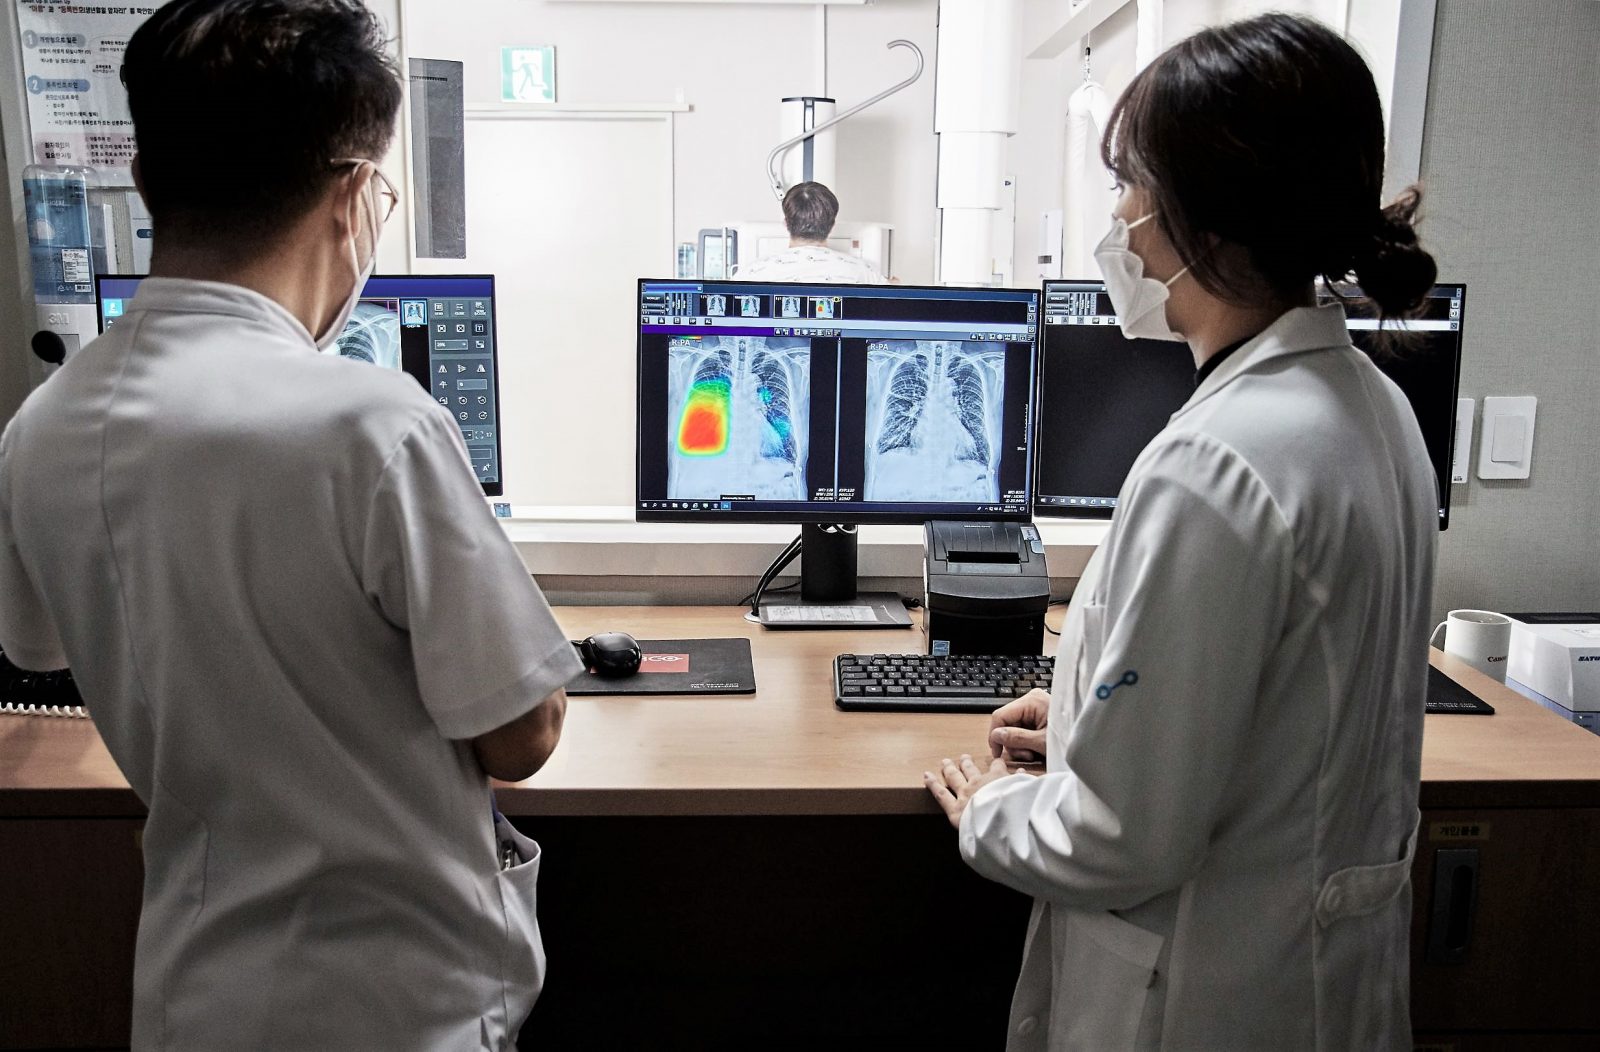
{"type": "Point", "coordinates": [809, 210]}
{"type": "Point", "coordinates": [241, 106]}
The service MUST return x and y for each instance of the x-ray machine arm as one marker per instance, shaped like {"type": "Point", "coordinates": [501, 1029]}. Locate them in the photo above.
{"type": "Point", "coordinates": [775, 179]}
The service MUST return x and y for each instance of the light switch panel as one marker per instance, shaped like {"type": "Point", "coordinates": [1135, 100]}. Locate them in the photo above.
{"type": "Point", "coordinates": [1462, 456]}
{"type": "Point", "coordinates": [1509, 432]}
{"type": "Point", "coordinates": [1505, 450]}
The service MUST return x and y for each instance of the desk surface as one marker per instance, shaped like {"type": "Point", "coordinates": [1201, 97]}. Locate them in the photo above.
{"type": "Point", "coordinates": [788, 750]}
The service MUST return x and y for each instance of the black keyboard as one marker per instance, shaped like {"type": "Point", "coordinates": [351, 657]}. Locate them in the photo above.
{"type": "Point", "coordinates": [918, 683]}
{"type": "Point", "coordinates": [38, 693]}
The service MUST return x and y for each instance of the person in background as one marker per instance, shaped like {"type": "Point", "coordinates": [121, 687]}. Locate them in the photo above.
{"type": "Point", "coordinates": [1220, 848]}
{"type": "Point", "coordinates": [809, 212]}
{"type": "Point", "coordinates": [298, 627]}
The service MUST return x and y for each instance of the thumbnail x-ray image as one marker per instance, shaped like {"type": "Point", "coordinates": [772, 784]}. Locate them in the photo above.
{"type": "Point", "coordinates": [737, 408]}
{"type": "Point", "coordinates": [934, 420]}
{"type": "Point", "coordinates": [372, 334]}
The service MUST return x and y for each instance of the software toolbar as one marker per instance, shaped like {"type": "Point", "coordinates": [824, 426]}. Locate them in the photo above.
{"type": "Point", "coordinates": [691, 311]}
{"type": "Point", "coordinates": [461, 369]}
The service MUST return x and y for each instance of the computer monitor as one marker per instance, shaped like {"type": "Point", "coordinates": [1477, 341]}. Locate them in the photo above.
{"type": "Point", "coordinates": [1103, 397]}
{"type": "Point", "coordinates": [438, 328]}
{"type": "Point", "coordinates": [832, 405]}
{"type": "Point", "coordinates": [1424, 361]}
{"type": "Point", "coordinates": [836, 404]}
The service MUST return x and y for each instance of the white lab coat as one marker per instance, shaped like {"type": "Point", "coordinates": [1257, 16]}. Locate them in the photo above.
{"type": "Point", "coordinates": [1221, 847]}
{"type": "Point", "coordinates": [290, 611]}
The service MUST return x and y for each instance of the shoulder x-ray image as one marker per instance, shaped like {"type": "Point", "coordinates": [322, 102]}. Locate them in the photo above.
{"type": "Point", "coordinates": [934, 412]}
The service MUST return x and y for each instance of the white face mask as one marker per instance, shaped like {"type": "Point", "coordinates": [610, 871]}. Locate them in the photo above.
{"type": "Point", "coordinates": [1140, 302]}
{"type": "Point", "coordinates": [335, 329]}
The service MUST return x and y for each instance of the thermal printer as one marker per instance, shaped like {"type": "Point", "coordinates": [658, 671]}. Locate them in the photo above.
{"type": "Point", "coordinates": [985, 588]}
{"type": "Point", "coordinates": [1557, 657]}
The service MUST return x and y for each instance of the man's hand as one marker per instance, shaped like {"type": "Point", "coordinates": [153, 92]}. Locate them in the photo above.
{"type": "Point", "coordinates": [955, 784]}
{"type": "Point", "coordinates": [1017, 729]}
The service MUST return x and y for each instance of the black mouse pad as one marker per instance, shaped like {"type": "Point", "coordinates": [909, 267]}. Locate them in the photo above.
{"type": "Point", "coordinates": [679, 666]}
{"type": "Point", "coordinates": [1446, 696]}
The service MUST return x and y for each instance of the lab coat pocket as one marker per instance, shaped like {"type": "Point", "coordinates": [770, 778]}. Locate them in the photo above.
{"type": "Point", "coordinates": [1357, 891]}
{"type": "Point", "coordinates": [523, 970]}
{"type": "Point", "coordinates": [1104, 969]}
{"type": "Point", "coordinates": [1362, 947]}
{"type": "Point", "coordinates": [1092, 619]}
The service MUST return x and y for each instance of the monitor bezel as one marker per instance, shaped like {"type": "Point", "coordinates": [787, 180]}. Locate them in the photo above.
{"type": "Point", "coordinates": [807, 516]}
{"type": "Point", "coordinates": [490, 489]}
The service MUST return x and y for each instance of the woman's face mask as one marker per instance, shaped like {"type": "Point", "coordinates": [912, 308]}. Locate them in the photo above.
{"type": "Point", "coordinates": [1140, 302]}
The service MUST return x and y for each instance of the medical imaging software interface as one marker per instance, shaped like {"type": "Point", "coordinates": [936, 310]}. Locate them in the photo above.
{"type": "Point", "coordinates": [438, 328]}
{"type": "Point", "coordinates": [1102, 398]}
{"type": "Point", "coordinates": [834, 402]}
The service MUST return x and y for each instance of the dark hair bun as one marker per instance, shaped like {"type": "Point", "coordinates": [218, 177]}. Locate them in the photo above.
{"type": "Point", "coordinates": [1394, 270]}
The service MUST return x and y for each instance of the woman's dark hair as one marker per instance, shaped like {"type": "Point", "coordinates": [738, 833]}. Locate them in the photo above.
{"type": "Point", "coordinates": [1267, 134]}
{"type": "Point", "coordinates": [240, 108]}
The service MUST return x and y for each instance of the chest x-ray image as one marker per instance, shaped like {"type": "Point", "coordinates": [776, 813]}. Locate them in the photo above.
{"type": "Point", "coordinates": [934, 414]}
{"type": "Point", "coordinates": [372, 334]}
{"type": "Point", "coordinates": [736, 416]}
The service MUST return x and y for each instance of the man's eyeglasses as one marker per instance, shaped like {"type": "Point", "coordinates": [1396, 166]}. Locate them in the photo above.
{"type": "Point", "coordinates": [391, 196]}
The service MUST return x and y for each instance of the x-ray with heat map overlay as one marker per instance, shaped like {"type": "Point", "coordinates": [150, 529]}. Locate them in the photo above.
{"type": "Point", "coordinates": [935, 410]}
{"type": "Point", "coordinates": [736, 413]}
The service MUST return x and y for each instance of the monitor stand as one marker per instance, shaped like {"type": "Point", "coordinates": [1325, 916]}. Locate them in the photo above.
{"type": "Point", "coordinates": [828, 597]}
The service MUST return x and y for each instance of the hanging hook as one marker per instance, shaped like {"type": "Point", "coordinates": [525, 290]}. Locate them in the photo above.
{"type": "Point", "coordinates": [1088, 46]}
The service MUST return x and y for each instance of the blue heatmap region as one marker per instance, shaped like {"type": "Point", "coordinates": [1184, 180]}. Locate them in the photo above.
{"type": "Point", "coordinates": [776, 440]}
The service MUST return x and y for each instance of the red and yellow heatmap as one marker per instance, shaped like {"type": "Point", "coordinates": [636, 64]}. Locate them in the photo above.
{"type": "Point", "coordinates": [703, 428]}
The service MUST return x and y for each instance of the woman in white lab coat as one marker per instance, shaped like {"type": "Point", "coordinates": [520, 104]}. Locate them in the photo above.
{"type": "Point", "coordinates": [1220, 847]}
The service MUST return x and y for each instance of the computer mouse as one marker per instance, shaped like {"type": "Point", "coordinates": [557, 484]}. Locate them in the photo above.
{"type": "Point", "coordinates": [612, 654]}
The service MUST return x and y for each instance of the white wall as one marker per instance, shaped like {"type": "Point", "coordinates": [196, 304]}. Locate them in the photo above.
{"type": "Point", "coordinates": [732, 63]}
{"type": "Point", "coordinates": [1511, 153]}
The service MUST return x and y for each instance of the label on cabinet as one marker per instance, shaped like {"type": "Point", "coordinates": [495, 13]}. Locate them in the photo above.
{"type": "Point", "coordinates": [1458, 831]}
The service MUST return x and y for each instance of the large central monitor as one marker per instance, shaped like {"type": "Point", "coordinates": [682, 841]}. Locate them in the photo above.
{"type": "Point", "coordinates": [1103, 397]}
{"type": "Point", "coordinates": [777, 402]}
{"type": "Point", "coordinates": [439, 328]}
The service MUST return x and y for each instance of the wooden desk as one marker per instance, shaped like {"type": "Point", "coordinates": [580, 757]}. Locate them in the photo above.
{"type": "Point", "coordinates": [786, 750]}
{"type": "Point", "coordinates": [715, 864]}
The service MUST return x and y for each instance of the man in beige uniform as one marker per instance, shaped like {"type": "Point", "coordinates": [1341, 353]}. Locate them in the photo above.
{"type": "Point", "coordinates": [809, 212]}
{"type": "Point", "coordinates": [300, 631]}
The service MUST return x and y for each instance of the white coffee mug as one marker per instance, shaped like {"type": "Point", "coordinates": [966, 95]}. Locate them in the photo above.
{"type": "Point", "coordinates": [1481, 638]}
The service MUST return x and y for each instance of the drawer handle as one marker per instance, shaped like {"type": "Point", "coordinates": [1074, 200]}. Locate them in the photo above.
{"type": "Point", "coordinates": [1454, 906]}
